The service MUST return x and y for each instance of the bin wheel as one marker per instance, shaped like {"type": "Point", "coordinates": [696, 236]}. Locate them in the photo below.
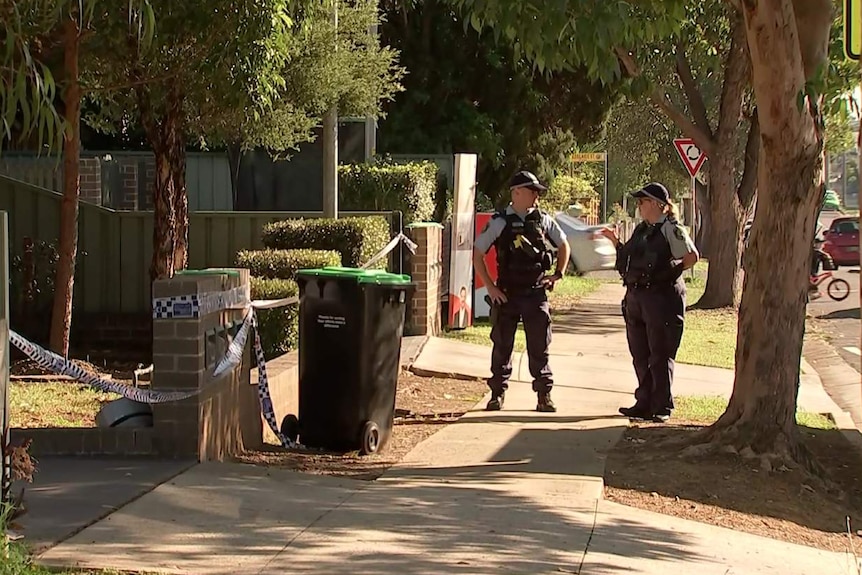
{"type": "Point", "coordinates": [370, 438]}
{"type": "Point", "coordinates": [290, 427]}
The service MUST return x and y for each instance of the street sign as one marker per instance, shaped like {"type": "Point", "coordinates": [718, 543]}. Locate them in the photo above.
{"type": "Point", "coordinates": [690, 154]}
{"type": "Point", "coordinates": [599, 157]}
{"type": "Point", "coordinates": [853, 28]}
{"type": "Point", "coordinates": [596, 157]}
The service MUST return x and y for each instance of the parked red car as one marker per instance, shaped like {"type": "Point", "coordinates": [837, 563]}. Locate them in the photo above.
{"type": "Point", "coordinates": [842, 241]}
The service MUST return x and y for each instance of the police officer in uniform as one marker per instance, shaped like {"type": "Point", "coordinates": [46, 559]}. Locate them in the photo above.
{"type": "Point", "coordinates": [524, 237]}
{"type": "Point", "coordinates": [651, 265]}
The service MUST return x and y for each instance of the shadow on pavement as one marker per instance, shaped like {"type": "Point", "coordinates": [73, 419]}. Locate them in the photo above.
{"type": "Point", "coordinates": [852, 313]}
{"type": "Point", "coordinates": [519, 510]}
{"type": "Point", "coordinates": [70, 493]}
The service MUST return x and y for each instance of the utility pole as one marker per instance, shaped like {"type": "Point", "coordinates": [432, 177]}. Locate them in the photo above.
{"type": "Point", "coordinates": [371, 121]}
{"type": "Point", "coordinates": [330, 147]}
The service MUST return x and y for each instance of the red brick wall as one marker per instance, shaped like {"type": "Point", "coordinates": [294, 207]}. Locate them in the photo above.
{"type": "Point", "coordinates": [91, 180]}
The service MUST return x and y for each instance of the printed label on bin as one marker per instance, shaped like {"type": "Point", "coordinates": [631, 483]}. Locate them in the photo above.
{"type": "Point", "coordinates": [332, 321]}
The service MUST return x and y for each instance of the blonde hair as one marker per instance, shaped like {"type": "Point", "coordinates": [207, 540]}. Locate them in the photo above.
{"type": "Point", "coordinates": [671, 210]}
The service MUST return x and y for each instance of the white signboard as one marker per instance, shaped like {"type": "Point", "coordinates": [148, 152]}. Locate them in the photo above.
{"type": "Point", "coordinates": [461, 246]}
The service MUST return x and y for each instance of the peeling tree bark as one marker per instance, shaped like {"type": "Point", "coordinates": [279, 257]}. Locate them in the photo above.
{"type": "Point", "coordinates": [760, 417]}
{"type": "Point", "coordinates": [170, 202]}
{"type": "Point", "coordinates": [61, 315]}
{"type": "Point", "coordinates": [178, 177]}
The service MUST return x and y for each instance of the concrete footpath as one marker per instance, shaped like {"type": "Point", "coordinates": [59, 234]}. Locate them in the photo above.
{"type": "Point", "coordinates": [514, 491]}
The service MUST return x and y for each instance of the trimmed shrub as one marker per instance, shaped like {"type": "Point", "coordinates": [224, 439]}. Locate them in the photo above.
{"type": "Point", "coordinates": [356, 239]}
{"type": "Point", "coordinates": [283, 264]}
{"type": "Point", "coordinates": [409, 188]}
{"type": "Point", "coordinates": [279, 327]}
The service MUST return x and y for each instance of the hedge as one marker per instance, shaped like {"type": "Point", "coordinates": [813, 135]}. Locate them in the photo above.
{"type": "Point", "coordinates": [409, 188]}
{"type": "Point", "coordinates": [283, 264]}
{"type": "Point", "coordinates": [279, 327]}
{"type": "Point", "coordinates": [357, 239]}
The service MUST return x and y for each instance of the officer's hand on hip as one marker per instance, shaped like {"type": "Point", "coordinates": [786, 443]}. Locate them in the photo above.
{"type": "Point", "coordinates": [549, 281]}
{"type": "Point", "coordinates": [496, 294]}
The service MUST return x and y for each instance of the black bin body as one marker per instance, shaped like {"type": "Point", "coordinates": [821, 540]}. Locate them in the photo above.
{"type": "Point", "coordinates": [350, 327]}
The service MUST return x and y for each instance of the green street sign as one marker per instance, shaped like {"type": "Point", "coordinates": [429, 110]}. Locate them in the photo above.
{"type": "Point", "coordinates": [853, 28]}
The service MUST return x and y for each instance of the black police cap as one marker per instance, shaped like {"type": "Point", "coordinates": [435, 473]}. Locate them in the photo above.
{"type": "Point", "coordinates": [525, 179]}
{"type": "Point", "coordinates": [654, 191]}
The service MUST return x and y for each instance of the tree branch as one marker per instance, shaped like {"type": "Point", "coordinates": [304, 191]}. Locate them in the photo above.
{"type": "Point", "coordinates": [701, 139]}
{"type": "Point", "coordinates": [737, 75]}
{"type": "Point", "coordinates": [748, 183]}
{"type": "Point", "coordinates": [132, 83]}
{"type": "Point", "coordinates": [695, 99]}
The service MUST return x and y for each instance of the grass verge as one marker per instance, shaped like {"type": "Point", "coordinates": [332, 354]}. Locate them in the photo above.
{"type": "Point", "coordinates": [706, 409]}
{"type": "Point", "coordinates": [709, 336]}
{"type": "Point", "coordinates": [566, 295]}
{"type": "Point", "coordinates": [54, 404]}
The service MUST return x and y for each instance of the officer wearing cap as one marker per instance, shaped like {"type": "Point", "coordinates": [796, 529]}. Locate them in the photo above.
{"type": "Point", "coordinates": [524, 237]}
{"type": "Point", "coordinates": [651, 265]}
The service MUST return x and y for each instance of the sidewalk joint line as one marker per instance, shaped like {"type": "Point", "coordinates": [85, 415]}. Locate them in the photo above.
{"type": "Point", "coordinates": [590, 538]}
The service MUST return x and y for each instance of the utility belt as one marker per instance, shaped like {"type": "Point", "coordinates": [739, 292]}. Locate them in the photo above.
{"type": "Point", "coordinates": [648, 281]}
{"type": "Point", "coordinates": [523, 291]}
{"type": "Point", "coordinates": [647, 285]}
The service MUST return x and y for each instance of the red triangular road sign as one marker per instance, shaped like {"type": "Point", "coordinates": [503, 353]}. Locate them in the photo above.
{"type": "Point", "coordinates": [692, 157]}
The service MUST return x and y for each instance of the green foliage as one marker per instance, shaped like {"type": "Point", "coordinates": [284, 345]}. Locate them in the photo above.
{"type": "Point", "coordinates": [316, 67]}
{"type": "Point", "coordinates": [283, 264]}
{"type": "Point", "coordinates": [279, 327]}
{"type": "Point", "coordinates": [565, 191]}
{"type": "Point", "coordinates": [356, 239]}
{"type": "Point", "coordinates": [467, 92]}
{"type": "Point", "coordinates": [31, 83]}
{"type": "Point", "coordinates": [558, 34]}
{"type": "Point", "coordinates": [409, 188]}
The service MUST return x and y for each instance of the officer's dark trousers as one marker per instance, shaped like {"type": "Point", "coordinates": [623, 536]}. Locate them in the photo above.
{"type": "Point", "coordinates": [654, 324]}
{"type": "Point", "coordinates": [533, 309]}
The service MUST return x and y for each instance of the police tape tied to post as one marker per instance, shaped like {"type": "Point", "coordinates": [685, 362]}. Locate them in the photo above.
{"type": "Point", "coordinates": [187, 307]}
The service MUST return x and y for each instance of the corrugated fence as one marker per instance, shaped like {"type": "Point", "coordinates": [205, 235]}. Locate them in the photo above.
{"type": "Point", "coordinates": [115, 248]}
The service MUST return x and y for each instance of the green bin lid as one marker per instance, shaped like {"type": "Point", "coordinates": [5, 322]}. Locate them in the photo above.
{"type": "Point", "coordinates": [360, 275]}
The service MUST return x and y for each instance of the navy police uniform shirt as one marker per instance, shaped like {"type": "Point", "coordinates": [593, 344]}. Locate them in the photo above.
{"type": "Point", "coordinates": [495, 227]}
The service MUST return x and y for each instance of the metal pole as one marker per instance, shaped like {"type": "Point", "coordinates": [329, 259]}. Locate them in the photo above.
{"type": "Point", "coordinates": [371, 121]}
{"type": "Point", "coordinates": [605, 200]}
{"type": "Point", "coordinates": [5, 447]}
{"type": "Point", "coordinates": [693, 214]}
{"type": "Point", "coordinates": [843, 178]}
{"type": "Point", "coordinates": [330, 148]}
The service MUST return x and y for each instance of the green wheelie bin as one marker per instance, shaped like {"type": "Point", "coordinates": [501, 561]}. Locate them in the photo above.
{"type": "Point", "coordinates": [350, 327]}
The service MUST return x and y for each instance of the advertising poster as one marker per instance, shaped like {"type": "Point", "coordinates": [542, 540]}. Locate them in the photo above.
{"type": "Point", "coordinates": [480, 306]}
{"type": "Point", "coordinates": [461, 251]}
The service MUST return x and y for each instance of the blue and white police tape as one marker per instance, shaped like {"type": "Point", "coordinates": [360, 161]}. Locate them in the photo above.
{"type": "Point", "coordinates": [266, 407]}
{"type": "Point", "coordinates": [60, 366]}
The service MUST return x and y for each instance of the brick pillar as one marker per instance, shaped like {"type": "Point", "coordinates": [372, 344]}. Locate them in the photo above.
{"type": "Point", "coordinates": [90, 171]}
{"type": "Point", "coordinates": [426, 271]}
{"type": "Point", "coordinates": [129, 179]}
{"type": "Point", "coordinates": [224, 419]}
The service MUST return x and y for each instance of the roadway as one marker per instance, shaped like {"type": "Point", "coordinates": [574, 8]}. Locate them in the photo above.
{"type": "Point", "coordinates": [839, 320]}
